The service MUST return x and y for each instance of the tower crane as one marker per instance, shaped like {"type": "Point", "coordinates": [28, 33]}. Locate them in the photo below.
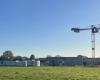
{"type": "Point", "coordinates": [94, 29]}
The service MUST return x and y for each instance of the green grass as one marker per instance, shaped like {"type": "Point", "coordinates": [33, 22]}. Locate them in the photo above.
{"type": "Point", "coordinates": [49, 73]}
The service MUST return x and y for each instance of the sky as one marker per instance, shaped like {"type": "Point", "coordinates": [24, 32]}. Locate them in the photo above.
{"type": "Point", "coordinates": [43, 27]}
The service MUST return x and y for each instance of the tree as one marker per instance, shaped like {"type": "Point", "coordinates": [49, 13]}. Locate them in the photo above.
{"type": "Point", "coordinates": [32, 57]}
{"type": "Point", "coordinates": [48, 56]}
{"type": "Point", "coordinates": [7, 55]}
{"type": "Point", "coordinates": [82, 56]}
{"type": "Point", "coordinates": [25, 58]}
{"type": "Point", "coordinates": [19, 58]}
{"type": "Point", "coordinates": [57, 56]}
{"type": "Point", "coordinates": [1, 57]}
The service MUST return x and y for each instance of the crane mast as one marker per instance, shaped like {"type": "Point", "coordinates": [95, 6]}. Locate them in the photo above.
{"type": "Point", "coordinates": [93, 44]}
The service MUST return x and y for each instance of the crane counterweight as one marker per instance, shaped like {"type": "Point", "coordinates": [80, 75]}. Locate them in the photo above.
{"type": "Point", "coordinates": [75, 30]}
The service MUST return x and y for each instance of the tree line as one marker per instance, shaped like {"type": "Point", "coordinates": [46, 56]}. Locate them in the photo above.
{"type": "Point", "coordinates": [9, 56]}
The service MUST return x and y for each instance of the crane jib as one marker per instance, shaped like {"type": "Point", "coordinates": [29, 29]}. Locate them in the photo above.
{"type": "Point", "coordinates": [93, 29]}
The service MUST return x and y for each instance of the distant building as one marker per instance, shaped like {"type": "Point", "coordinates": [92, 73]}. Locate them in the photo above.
{"type": "Point", "coordinates": [69, 61]}
{"type": "Point", "coordinates": [61, 61]}
{"type": "Point", "coordinates": [17, 63]}
{"type": "Point", "coordinates": [91, 61]}
{"type": "Point", "coordinates": [54, 61]}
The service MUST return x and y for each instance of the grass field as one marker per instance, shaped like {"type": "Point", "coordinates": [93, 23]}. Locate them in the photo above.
{"type": "Point", "coordinates": [49, 73]}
